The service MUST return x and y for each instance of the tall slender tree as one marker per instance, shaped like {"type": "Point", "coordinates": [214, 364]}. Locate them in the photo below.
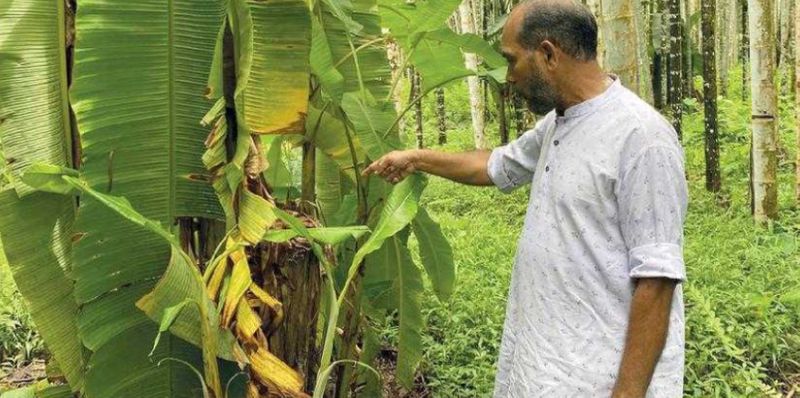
{"type": "Point", "coordinates": [764, 110]}
{"type": "Point", "coordinates": [797, 98]}
{"type": "Point", "coordinates": [416, 85]}
{"type": "Point", "coordinates": [713, 180]}
{"type": "Point", "coordinates": [441, 116]}
{"type": "Point", "coordinates": [728, 43]}
{"type": "Point", "coordinates": [675, 64]}
{"type": "Point", "coordinates": [658, 28]}
{"type": "Point", "coordinates": [465, 13]}
{"type": "Point", "coordinates": [745, 49]}
{"type": "Point", "coordinates": [622, 33]}
{"type": "Point", "coordinates": [784, 11]}
{"type": "Point", "coordinates": [502, 119]}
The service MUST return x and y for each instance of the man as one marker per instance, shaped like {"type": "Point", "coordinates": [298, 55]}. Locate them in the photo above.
{"type": "Point", "coordinates": [593, 307]}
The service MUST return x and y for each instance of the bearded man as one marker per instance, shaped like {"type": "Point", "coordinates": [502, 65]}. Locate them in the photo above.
{"type": "Point", "coordinates": [595, 305]}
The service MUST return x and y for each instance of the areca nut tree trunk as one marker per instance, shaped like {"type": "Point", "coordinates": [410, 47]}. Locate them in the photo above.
{"type": "Point", "coordinates": [764, 110]}
{"type": "Point", "coordinates": [797, 100]}
{"type": "Point", "coordinates": [476, 105]}
{"type": "Point", "coordinates": [624, 43]}
{"type": "Point", "coordinates": [713, 177]}
{"type": "Point", "coordinates": [675, 64]}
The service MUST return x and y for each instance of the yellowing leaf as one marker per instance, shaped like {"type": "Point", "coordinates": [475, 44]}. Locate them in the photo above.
{"type": "Point", "coordinates": [276, 97]}
{"type": "Point", "coordinates": [240, 281]}
{"type": "Point", "coordinates": [271, 371]}
{"type": "Point", "coordinates": [257, 214]}
{"type": "Point", "coordinates": [247, 322]}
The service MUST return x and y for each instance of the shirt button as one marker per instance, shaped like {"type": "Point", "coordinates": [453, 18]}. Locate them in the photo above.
{"type": "Point", "coordinates": [555, 142]}
{"type": "Point", "coordinates": [546, 168]}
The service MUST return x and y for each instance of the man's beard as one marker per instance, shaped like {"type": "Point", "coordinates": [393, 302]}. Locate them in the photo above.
{"type": "Point", "coordinates": [540, 96]}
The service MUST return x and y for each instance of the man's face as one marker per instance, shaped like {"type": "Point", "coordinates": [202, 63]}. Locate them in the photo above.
{"type": "Point", "coordinates": [526, 69]}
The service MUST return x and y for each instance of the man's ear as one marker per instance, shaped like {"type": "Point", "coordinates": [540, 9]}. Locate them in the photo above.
{"type": "Point", "coordinates": [549, 53]}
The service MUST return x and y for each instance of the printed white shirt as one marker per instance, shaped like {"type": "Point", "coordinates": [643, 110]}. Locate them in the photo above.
{"type": "Point", "coordinates": [607, 205]}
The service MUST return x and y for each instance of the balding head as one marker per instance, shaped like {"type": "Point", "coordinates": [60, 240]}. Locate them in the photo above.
{"type": "Point", "coordinates": [568, 24]}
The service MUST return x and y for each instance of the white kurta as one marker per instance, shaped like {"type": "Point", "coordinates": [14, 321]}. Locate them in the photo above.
{"type": "Point", "coordinates": [607, 206]}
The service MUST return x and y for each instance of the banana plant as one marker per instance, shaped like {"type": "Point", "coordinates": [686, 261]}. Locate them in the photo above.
{"type": "Point", "coordinates": [174, 120]}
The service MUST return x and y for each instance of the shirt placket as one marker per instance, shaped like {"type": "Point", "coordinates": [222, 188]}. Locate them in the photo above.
{"type": "Point", "coordinates": [551, 155]}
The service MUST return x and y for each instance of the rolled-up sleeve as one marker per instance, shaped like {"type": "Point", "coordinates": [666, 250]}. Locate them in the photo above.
{"type": "Point", "coordinates": [652, 199]}
{"type": "Point", "coordinates": [513, 164]}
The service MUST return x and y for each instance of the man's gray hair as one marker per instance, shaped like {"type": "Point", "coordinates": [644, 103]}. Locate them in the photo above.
{"type": "Point", "coordinates": [566, 23]}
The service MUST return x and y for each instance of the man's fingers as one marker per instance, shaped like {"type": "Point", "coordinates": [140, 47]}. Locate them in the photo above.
{"type": "Point", "coordinates": [367, 170]}
{"type": "Point", "coordinates": [376, 167]}
{"type": "Point", "coordinates": [396, 177]}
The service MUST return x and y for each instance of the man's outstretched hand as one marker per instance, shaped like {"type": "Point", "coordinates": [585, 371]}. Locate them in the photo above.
{"type": "Point", "coordinates": [394, 166]}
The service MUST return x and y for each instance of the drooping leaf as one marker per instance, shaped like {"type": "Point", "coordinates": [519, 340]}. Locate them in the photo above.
{"type": "Point", "coordinates": [36, 228]}
{"type": "Point", "coordinates": [469, 43]}
{"type": "Point", "coordinates": [438, 56]}
{"type": "Point", "coordinates": [408, 286]}
{"type": "Point", "coordinates": [256, 215]}
{"type": "Point", "coordinates": [400, 208]}
{"type": "Point", "coordinates": [276, 97]}
{"type": "Point", "coordinates": [140, 76]}
{"type": "Point", "coordinates": [36, 232]}
{"type": "Point", "coordinates": [436, 254]}
{"type": "Point", "coordinates": [180, 283]}
{"type": "Point", "coordinates": [394, 282]}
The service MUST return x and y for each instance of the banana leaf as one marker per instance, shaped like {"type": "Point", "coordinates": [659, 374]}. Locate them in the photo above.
{"type": "Point", "coordinates": [35, 126]}
{"type": "Point", "coordinates": [140, 73]}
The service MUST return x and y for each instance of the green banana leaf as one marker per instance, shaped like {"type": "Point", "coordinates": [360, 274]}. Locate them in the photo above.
{"type": "Point", "coordinates": [180, 283]}
{"type": "Point", "coordinates": [405, 18]}
{"type": "Point", "coordinates": [328, 187]}
{"type": "Point", "coordinates": [436, 255]}
{"type": "Point", "coordinates": [329, 134]}
{"type": "Point", "coordinates": [322, 63]}
{"type": "Point", "coordinates": [35, 235]}
{"type": "Point", "coordinates": [438, 56]}
{"type": "Point", "coordinates": [34, 126]}
{"type": "Point", "coordinates": [140, 73]}
{"type": "Point", "coordinates": [369, 67]}
{"type": "Point", "coordinates": [394, 282]}
{"type": "Point", "coordinates": [400, 208]}
{"type": "Point", "coordinates": [34, 115]}
{"type": "Point", "coordinates": [372, 124]}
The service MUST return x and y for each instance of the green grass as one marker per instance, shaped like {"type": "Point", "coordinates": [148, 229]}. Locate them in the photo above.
{"type": "Point", "coordinates": [742, 295]}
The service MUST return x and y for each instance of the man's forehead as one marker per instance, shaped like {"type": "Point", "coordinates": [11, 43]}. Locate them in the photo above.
{"type": "Point", "coordinates": [511, 28]}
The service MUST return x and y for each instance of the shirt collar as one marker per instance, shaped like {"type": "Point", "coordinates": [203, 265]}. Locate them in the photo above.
{"type": "Point", "coordinates": [594, 103]}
